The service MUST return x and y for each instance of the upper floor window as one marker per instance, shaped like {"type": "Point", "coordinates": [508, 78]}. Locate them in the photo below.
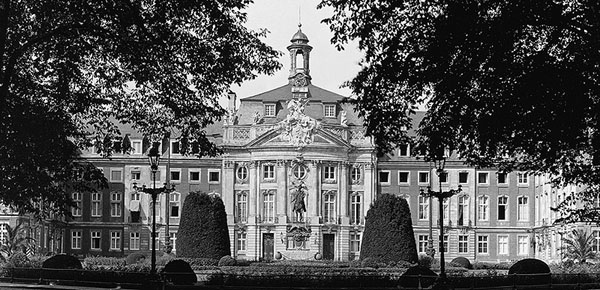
{"type": "Point", "coordinates": [116, 175]}
{"type": "Point", "coordinates": [269, 206]}
{"type": "Point", "coordinates": [463, 177]}
{"type": "Point", "coordinates": [443, 177]}
{"type": "Point", "coordinates": [300, 171]}
{"type": "Point", "coordinates": [136, 146]}
{"type": "Point", "coordinates": [329, 172]}
{"type": "Point", "coordinates": [241, 207]}
{"type": "Point", "coordinates": [355, 208]}
{"type": "Point", "coordinates": [483, 208]}
{"type": "Point", "coordinates": [268, 171]}
{"type": "Point", "coordinates": [463, 205]}
{"type": "Point", "coordinates": [214, 176]}
{"type": "Point", "coordinates": [76, 210]}
{"type": "Point", "coordinates": [194, 175]}
{"type": "Point", "coordinates": [355, 174]}
{"type": "Point", "coordinates": [522, 178]}
{"type": "Point", "coordinates": [115, 204]}
{"type": "Point", "coordinates": [502, 178]}
{"type": "Point", "coordinates": [329, 207]}
{"type": "Point", "coordinates": [404, 150]}
{"type": "Point", "coordinates": [175, 175]}
{"type": "Point", "coordinates": [269, 110]}
{"type": "Point", "coordinates": [423, 177]}
{"type": "Point", "coordinates": [242, 173]}
{"type": "Point", "coordinates": [403, 177]}
{"type": "Point", "coordinates": [174, 199]}
{"type": "Point", "coordinates": [423, 207]}
{"type": "Point", "coordinates": [136, 175]}
{"type": "Point", "coordinates": [175, 147]}
{"type": "Point", "coordinates": [522, 208]}
{"type": "Point", "coordinates": [384, 177]}
{"type": "Point", "coordinates": [96, 204]}
{"type": "Point", "coordinates": [483, 177]}
{"type": "Point", "coordinates": [502, 208]}
{"type": "Point", "coordinates": [330, 111]}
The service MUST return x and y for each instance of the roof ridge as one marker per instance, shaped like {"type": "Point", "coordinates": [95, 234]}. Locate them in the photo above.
{"type": "Point", "coordinates": [265, 92]}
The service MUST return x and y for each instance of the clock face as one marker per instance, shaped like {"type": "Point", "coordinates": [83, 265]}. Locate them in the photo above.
{"type": "Point", "coordinates": [300, 80]}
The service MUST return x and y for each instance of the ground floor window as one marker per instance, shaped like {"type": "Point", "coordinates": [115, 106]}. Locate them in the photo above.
{"type": "Point", "coordinates": [241, 241]}
{"type": "Point", "coordinates": [463, 243]}
{"type": "Point", "coordinates": [134, 241]}
{"type": "Point", "coordinates": [423, 242]}
{"type": "Point", "coordinates": [355, 243]}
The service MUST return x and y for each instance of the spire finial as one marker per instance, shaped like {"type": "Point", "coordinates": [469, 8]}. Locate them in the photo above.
{"type": "Point", "coordinates": [299, 16]}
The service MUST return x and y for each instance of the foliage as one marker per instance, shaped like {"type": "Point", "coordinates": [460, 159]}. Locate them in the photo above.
{"type": "Point", "coordinates": [19, 260]}
{"type": "Point", "coordinates": [203, 229]}
{"type": "Point", "coordinates": [36, 261]}
{"type": "Point", "coordinates": [530, 266]}
{"type": "Point", "coordinates": [492, 266]}
{"type": "Point", "coordinates": [62, 262]}
{"type": "Point", "coordinates": [164, 259]}
{"type": "Point", "coordinates": [506, 83]}
{"type": "Point", "coordinates": [200, 262]}
{"type": "Point", "coordinates": [135, 257]}
{"type": "Point", "coordinates": [418, 275]}
{"type": "Point", "coordinates": [577, 246]}
{"type": "Point", "coordinates": [227, 261]}
{"type": "Point", "coordinates": [179, 272]}
{"type": "Point", "coordinates": [461, 262]}
{"type": "Point", "coordinates": [16, 241]}
{"type": "Point", "coordinates": [71, 70]}
{"type": "Point", "coordinates": [426, 261]}
{"type": "Point", "coordinates": [101, 262]}
{"type": "Point", "coordinates": [388, 231]}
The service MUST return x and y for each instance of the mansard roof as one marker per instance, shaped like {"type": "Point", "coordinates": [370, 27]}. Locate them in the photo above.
{"type": "Point", "coordinates": [285, 93]}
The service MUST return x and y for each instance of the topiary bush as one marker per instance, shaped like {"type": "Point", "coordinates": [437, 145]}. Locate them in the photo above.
{"type": "Point", "coordinates": [179, 272]}
{"type": "Point", "coordinates": [388, 232]}
{"type": "Point", "coordinates": [18, 260]}
{"type": "Point", "coordinates": [426, 261]}
{"type": "Point", "coordinates": [134, 258]}
{"type": "Point", "coordinates": [461, 262]}
{"type": "Point", "coordinates": [418, 276]}
{"type": "Point", "coordinates": [530, 270]}
{"type": "Point", "coordinates": [227, 261]}
{"type": "Point", "coordinates": [203, 229]}
{"type": "Point", "coordinates": [62, 262]}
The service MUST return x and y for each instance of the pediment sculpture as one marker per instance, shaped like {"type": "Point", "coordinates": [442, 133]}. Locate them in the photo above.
{"type": "Point", "coordinates": [298, 128]}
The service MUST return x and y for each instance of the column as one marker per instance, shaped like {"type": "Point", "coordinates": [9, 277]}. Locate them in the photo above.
{"type": "Point", "coordinates": [369, 182]}
{"type": "Point", "coordinates": [282, 192]}
{"type": "Point", "coordinates": [228, 194]}
{"type": "Point", "coordinates": [313, 192]}
{"type": "Point", "coordinates": [343, 193]}
{"type": "Point", "coordinates": [252, 193]}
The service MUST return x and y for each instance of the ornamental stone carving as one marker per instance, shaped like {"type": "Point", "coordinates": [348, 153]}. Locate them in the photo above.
{"type": "Point", "coordinates": [298, 128]}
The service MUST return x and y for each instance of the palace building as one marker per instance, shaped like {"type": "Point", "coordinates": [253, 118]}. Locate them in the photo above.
{"type": "Point", "coordinates": [297, 178]}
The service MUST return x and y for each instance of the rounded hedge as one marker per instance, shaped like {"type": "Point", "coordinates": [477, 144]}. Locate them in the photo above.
{"type": "Point", "coordinates": [179, 272]}
{"type": "Point", "coordinates": [227, 261]}
{"type": "Point", "coordinates": [388, 232]}
{"type": "Point", "coordinates": [203, 229]}
{"type": "Point", "coordinates": [461, 262]}
{"type": "Point", "coordinates": [62, 262]}
{"type": "Point", "coordinates": [528, 272]}
{"type": "Point", "coordinates": [134, 258]}
{"type": "Point", "coordinates": [418, 276]}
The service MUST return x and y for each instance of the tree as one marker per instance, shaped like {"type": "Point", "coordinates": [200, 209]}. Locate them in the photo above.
{"type": "Point", "coordinates": [388, 232]}
{"type": "Point", "coordinates": [512, 84]}
{"type": "Point", "coordinates": [71, 70]}
{"type": "Point", "coordinates": [203, 229]}
{"type": "Point", "coordinates": [16, 241]}
{"type": "Point", "coordinates": [578, 246]}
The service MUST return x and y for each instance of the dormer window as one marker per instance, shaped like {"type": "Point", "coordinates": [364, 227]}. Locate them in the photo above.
{"type": "Point", "coordinates": [269, 110]}
{"type": "Point", "coordinates": [330, 111]}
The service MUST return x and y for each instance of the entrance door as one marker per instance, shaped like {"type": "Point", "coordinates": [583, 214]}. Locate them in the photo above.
{"type": "Point", "coordinates": [268, 245]}
{"type": "Point", "coordinates": [328, 246]}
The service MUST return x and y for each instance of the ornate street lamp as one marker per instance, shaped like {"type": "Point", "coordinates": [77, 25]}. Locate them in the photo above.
{"type": "Point", "coordinates": [440, 163]}
{"type": "Point", "coordinates": [154, 159]}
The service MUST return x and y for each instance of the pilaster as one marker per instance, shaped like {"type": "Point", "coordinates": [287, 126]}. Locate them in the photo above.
{"type": "Point", "coordinates": [282, 192]}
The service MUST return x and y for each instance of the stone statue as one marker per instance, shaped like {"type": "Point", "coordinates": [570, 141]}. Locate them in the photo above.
{"type": "Point", "coordinates": [257, 118]}
{"type": "Point", "coordinates": [297, 127]}
{"type": "Point", "coordinates": [298, 205]}
{"type": "Point", "coordinates": [343, 119]}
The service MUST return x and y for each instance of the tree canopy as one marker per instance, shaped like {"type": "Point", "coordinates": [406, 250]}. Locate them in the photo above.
{"type": "Point", "coordinates": [71, 70]}
{"type": "Point", "coordinates": [512, 84]}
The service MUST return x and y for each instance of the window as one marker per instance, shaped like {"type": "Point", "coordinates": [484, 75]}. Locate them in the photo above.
{"type": "Point", "coordinates": [423, 208]}
{"type": "Point", "coordinates": [241, 241]}
{"type": "Point", "coordinates": [443, 177]}
{"type": "Point", "coordinates": [134, 241]}
{"type": "Point", "coordinates": [176, 175]}
{"type": "Point", "coordinates": [135, 195]}
{"type": "Point", "coordinates": [483, 208]}
{"type": "Point", "coordinates": [463, 243]}
{"type": "Point", "coordinates": [330, 111]}
{"type": "Point", "coordinates": [174, 199]}
{"type": "Point", "coordinates": [522, 179]}
{"type": "Point", "coordinates": [136, 146]}
{"type": "Point", "coordinates": [299, 171]}
{"type": "Point", "coordinates": [3, 233]}
{"type": "Point", "coordinates": [522, 245]}
{"type": "Point", "coordinates": [269, 110]}
{"type": "Point", "coordinates": [269, 207]}
{"type": "Point", "coordinates": [76, 210]}
{"type": "Point", "coordinates": [596, 242]}
{"type": "Point", "coordinates": [355, 208]}
{"type": "Point", "coordinates": [95, 240]}
{"type": "Point", "coordinates": [355, 174]}
{"type": "Point", "coordinates": [522, 208]}
{"type": "Point", "coordinates": [446, 206]}
{"type": "Point", "coordinates": [482, 177]}
{"type": "Point", "coordinates": [423, 242]}
{"type": "Point", "coordinates": [446, 247]}
{"type": "Point", "coordinates": [213, 176]}
{"type": "Point", "coordinates": [502, 208]}
{"type": "Point", "coordinates": [502, 178]}
{"type": "Point", "coordinates": [175, 147]}
{"type": "Point", "coordinates": [136, 175]}
{"type": "Point", "coordinates": [403, 177]}
{"type": "Point", "coordinates": [462, 208]}
{"type": "Point", "coordinates": [115, 204]}
{"type": "Point", "coordinates": [329, 172]}
{"type": "Point", "coordinates": [384, 177]}
{"type": "Point", "coordinates": [115, 240]}
{"type": "Point", "coordinates": [269, 171]}
{"type": "Point", "coordinates": [329, 207]}
{"type": "Point", "coordinates": [116, 175]}
{"type": "Point", "coordinates": [463, 177]}
{"type": "Point", "coordinates": [242, 173]}
{"type": "Point", "coordinates": [96, 204]}
{"type": "Point", "coordinates": [482, 244]}
{"type": "Point", "coordinates": [502, 245]}
{"type": "Point", "coordinates": [75, 240]}
{"type": "Point", "coordinates": [173, 240]}
{"type": "Point", "coordinates": [404, 150]}
{"type": "Point", "coordinates": [241, 207]}
{"type": "Point", "coordinates": [194, 175]}
{"type": "Point", "coordinates": [355, 243]}
{"type": "Point", "coordinates": [423, 177]}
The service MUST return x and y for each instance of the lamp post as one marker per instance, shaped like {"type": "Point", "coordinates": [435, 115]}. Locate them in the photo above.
{"type": "Point", "coordinates": [153, 158]}
{"type": "Point", "coordinates": [440, 162]}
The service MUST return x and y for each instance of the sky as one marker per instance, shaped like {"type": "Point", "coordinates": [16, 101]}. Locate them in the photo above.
{"type": "Point", "coordinates": [329, 68]}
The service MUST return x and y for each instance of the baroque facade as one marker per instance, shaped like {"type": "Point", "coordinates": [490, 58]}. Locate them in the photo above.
{"type": "Point", "coordinates": [297, 179]}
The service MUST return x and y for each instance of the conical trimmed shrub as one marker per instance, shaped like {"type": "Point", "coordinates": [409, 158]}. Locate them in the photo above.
{"type": "Point", "coordinates": [203, 227]}
{"type": "Point", "coordinates": [388, 232]}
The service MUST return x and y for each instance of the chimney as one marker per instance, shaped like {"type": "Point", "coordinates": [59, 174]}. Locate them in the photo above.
{"type": "Point", "coordinates": [232, 98]}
